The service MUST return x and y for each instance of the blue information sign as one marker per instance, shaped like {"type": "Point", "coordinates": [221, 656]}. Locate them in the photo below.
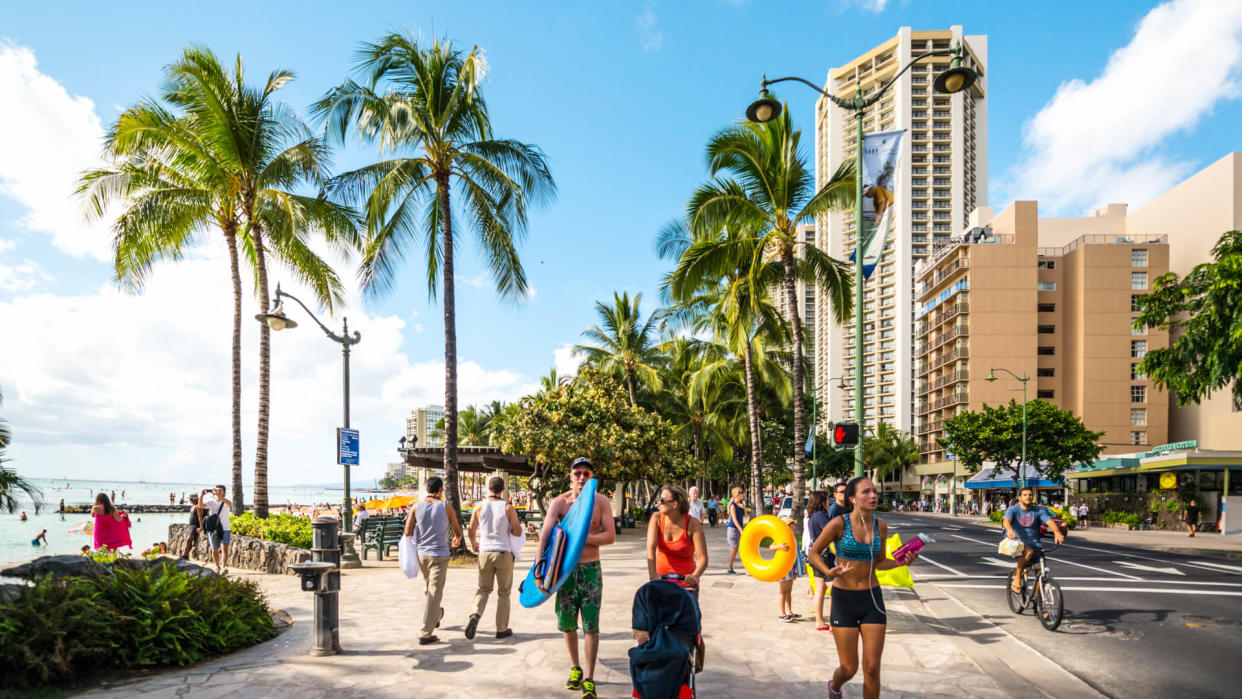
{"type": "Point", "coordinates": [346, 446]}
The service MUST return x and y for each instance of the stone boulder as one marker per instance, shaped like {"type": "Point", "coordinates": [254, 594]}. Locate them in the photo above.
{"type": "Point", "coordinates": [56, 566]}
{"type": "Point", "coordinates": [244, 551]}
{"type": "Point", "coordinates": [183, 566]}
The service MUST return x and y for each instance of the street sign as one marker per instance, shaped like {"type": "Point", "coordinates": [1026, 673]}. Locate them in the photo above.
{"type": "Point", "coordinates": [346, 446]}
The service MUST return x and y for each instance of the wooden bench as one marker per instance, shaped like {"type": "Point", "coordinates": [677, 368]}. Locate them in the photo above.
{"type": "Point", "coordinates": [383, 535]}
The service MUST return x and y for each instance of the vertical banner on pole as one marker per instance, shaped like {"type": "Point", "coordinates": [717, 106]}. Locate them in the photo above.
{"type": "Point", "coordinates": [881, 154]}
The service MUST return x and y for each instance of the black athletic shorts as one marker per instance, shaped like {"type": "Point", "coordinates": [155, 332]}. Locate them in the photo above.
{"type": "Point", "coordinates": [851, 608]}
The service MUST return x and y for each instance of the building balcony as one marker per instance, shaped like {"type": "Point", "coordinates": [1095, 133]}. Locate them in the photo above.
{"type": "Point", "coordinates": [956, 398]}
{"type": "Point", "coordinates": [942, 381]}
{"type": "Point", "coordinates": [941, 275]}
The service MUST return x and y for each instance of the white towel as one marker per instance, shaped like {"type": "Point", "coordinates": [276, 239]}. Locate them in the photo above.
{"type": "Point", "coordinates": [407, 556]}
{"type": "Point", "coordinates": [806, 533]}
{"type": "Point", "coordinates": [516, 542]}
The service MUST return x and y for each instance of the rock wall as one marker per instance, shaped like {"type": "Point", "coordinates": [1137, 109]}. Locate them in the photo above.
{"type": "Point", "coordinates": [244, 551]}
{"type": "Point", "coordinates": [138, 509]}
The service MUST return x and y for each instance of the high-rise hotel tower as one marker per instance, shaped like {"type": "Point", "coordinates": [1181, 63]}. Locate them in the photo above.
{"type": "Point", "coordinates": [942, 177]}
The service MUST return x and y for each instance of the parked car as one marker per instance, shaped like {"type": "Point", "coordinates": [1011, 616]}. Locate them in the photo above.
{"type": "Point", "coordinates": [786, 509]}
{"type": "Point", "coordinates": [1045, 531]}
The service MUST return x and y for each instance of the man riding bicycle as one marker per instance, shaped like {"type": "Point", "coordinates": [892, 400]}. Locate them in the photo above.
{"type": "Point", "coordinates": [1022, 522]}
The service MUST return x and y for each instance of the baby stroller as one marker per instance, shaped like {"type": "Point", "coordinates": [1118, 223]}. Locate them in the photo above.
{"type": "Point", "coordinates": [663, 666]}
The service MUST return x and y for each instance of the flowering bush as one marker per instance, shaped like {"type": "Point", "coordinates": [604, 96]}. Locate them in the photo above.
{"type": "Point", "coordinates": [283, 529]}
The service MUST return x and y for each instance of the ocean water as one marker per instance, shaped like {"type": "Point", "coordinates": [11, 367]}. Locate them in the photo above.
{"type": "Point", "coordinates": [148, 528]}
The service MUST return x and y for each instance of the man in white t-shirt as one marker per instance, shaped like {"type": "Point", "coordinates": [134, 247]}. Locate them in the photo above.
{"type": "Point", "coordinates": [218, 538]}
{"type": "Point", "coordinates": [697, 506]}
{"type": "Point", "coordinates": [360, 516]}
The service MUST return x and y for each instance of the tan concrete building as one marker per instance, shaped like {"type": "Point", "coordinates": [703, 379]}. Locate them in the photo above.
{"type": "Point", "coordinates": [942, 176]}
{"type": "Point", "coordinates": [421, 422]}
{"type": "Point", "coordinates": [1060, 314]}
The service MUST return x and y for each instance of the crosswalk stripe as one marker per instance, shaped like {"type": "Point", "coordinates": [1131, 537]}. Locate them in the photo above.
{"type": "Point", "coordinates": [1083, 588]}
{"type": "Point", "coordinates": [1221, 566]}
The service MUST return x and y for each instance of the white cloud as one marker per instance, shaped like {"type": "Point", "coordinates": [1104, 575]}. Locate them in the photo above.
{"type": "Point", "coordinates": [21, 277]}
{"type": "Point", "coordinates": [7, 245]}
{"type": "Point", "coordinates": [876, 6]}
{"type": "Point", "coordinates": [47, 138]}
{"type": "Point", "coordinates": [1098, 142]}
{"type": "Point", "coordinates": [566, 361]}
{"type": "Point", "coordinates": [649, 35]}
{"type": "Point", "coordinates": [142, 383]}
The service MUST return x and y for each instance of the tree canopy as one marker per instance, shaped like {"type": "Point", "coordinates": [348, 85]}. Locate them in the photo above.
{"type": "Point", "coordinates": [592, 417]}
{"type": "Point", "coordinates": [1205, 307]}
{"type": "Point", "coordinates": [1056, 439]}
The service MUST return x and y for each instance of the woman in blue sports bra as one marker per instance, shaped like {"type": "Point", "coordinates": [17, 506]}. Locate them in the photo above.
{"type": "Point", "coordinates": [857, 602]}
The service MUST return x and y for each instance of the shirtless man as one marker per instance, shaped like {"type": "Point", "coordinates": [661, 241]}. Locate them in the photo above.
{"type": "Point", "coordinates": [583, 591]}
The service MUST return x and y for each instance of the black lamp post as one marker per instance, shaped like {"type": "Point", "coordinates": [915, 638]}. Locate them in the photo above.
{"type": "Point", "coordinates": [277, 320]}
{"type": "Point", "coordinates": [955, 79]}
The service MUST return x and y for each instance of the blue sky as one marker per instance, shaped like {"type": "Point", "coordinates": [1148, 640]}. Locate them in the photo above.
{"type": "Point", "coordinates": [622, 96]}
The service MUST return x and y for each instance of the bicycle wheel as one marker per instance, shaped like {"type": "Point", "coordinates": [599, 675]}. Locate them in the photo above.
{"type": "Point", "coordinates": [1049, 606]}
{"type": "Point", "coordinates": [1015, 600]}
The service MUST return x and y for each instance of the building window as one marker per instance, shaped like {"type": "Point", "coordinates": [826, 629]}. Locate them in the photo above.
{"type": "Point", "coordinates": [1046, 308]}
{"type": "Point", "coordinates": [1046, 351]}
{"type": "Point", "coordinates": [1048, 286]}
{"type": "Point", "coordinates": [1136, 329]}
{"type": "Point", "coordinates": [1138, 394]}
{"type": "Point", "coordinates": [1047, 264]}
{"type": "Point", "coordinates": [1047, 329]}
{"type": "Point", "coordinates": [1136, 373]}
{"type": "Point", "coordinates": [1138, 417]}
{"type": "Point", "coordinates": [1138, 438]}
{"type": "Point", "coordinates": [1138, 349]}
{"type": "Point", "coordinates": [1134, 303]}
{"type": "Point", "coordinates": [1045, 393]}
{"type": "Point", "coordinates": [1047, 373]}
{"type": "Point", "coordinates": [1138, 280]}
{"type": "Point", "coordinates": [1138, 258]}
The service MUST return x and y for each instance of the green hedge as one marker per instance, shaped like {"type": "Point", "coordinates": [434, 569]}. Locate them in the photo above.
{"type": "Point", "coordinates": [283, 529]}
{"type": "Point", "coordinates": [59, 630]}
{"type": "Point", "coordinates": [1118, 517]}
{"type": "Point", "coordinates": [996, 515]}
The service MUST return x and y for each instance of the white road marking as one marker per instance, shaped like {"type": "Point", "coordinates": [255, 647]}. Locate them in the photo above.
{"type": "Point", "coordinates": [937, 577]}
{"type": "Point", "coordinates": [1101, 570]}
{"type": "Point", "coordinates": [1168, 569]}
{"type": "Point", "coordinates": [943, 566]}
{"type": "Point", "coordinates": [1160, 590]}
{"type": "Point", "coordinates": [985, 543]}
{"type": "Point", "coordinates": [1222, 566]}
{"type": "Point", "coordinates": [998, 562]}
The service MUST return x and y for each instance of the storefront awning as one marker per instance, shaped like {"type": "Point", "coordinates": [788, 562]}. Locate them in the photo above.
{"type": "Point", "coordinates": [991, 478]}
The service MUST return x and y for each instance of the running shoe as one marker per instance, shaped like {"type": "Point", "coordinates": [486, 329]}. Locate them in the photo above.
{"type": "Point", "coordinates": [504, 634]}
{"type": "Point", "coordinates": [575, 679]}
{"type": "Point", "coordinates": [588, 689]}
{"type": "Point", "coordinates": [472, 625]}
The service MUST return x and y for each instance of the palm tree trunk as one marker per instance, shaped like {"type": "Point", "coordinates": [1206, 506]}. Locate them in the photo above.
{"type": "Point", "coordinates": [631, 383]}
{"type": "Point", "coordinates": [238, 496]}
{"type": "Point", "coordinates": [265, 366]}
{"type": "Point", "coordinates": [795, 321]}
{"type": "Point", "coordinates": [756, 444]}
{"type": "Point", "coordinates": [698, 456]}
{"type": "Point", "coordinates": [450, 351]}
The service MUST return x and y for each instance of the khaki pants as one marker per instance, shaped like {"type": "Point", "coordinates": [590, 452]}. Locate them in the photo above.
{"type": "Point", "coordinates": [433, 569]}
{"type": "Point", "coordinates": [497, 567]}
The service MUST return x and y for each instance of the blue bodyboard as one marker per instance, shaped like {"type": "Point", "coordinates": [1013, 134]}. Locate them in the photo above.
{"type": "Point", "coordinates": [554, 564]}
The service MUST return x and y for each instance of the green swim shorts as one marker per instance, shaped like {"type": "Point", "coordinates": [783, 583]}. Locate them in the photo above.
{"type": "Point", "coordinates": [582, 593]}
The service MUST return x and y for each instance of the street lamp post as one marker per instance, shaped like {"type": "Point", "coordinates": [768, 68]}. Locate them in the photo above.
{"type": "Point", "coordinates": [1023, 378]}
{"type": "Point", "coordinates": [955, 79]}
{"type": "Point", "coordinates": [276, 320]}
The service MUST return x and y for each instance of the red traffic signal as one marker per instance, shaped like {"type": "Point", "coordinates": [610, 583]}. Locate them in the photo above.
{"type": "Point", "coordinates": [845, 434]}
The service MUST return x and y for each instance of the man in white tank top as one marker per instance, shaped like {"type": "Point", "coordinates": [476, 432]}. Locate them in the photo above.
{"type": "Point", "coordinates": [492, 524]}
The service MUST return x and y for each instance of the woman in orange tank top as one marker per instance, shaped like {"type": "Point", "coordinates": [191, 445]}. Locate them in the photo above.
{"type": "Point", "coordinates": [675, 541]}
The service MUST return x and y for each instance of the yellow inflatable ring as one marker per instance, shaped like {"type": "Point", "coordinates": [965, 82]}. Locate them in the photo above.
{"type": "Point", "coordinates": [760, 528]}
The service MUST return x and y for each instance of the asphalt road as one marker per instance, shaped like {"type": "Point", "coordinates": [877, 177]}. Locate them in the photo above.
{"type": "Point", "coordinates": [1138, 623]}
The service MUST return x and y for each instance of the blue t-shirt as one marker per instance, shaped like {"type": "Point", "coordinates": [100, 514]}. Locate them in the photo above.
{"type": "Point", "coordinates": [1026, 523]}
{"type": "Point", "coordinates": [835, 510]}
{"type": "Point", "coordinates": [741, 514]}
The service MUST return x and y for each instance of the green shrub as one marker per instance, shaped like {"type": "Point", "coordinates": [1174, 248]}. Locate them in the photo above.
{"type": "Point", "coordinates": [282, 529]}
{"type": "Point", "coordinates": [1153, 506]}
{"type": "Point", "coordinates": [996, 516]}
{"type": "Point", "coordinates": [884, 508]}
{"type": "Point", "coordinates": [1118, 517]}
{"type": "Point", "coordinates": [61, 629]}
{"type": "Point", "coordinates": [1172, 505]}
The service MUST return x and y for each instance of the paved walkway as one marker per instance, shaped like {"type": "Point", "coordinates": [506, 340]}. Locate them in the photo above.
{"type": "Point", "coordinates": [749, 652]}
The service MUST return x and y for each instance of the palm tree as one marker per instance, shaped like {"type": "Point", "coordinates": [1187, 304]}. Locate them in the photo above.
{"type": "Point", "coordinates": [889, 451]}
{"type": "Point", "coordinates": [215, 152]}
{"type": "Point", "coordinates": [695, 410]}
{"type": "Point", "coordinates": [714, 286]}
{"type": "Point", "coordinates": [474, 427]}
{"type": "Point", "coordinates": [424, 109]}
{"type": "Point", "coordinates": [626, 345]}
{"type": "Point", "coordinates": [552, 381]}
{"type": "Point", "coordinates": [10, 482]}
{"type": "Point", "coordinates": [771, 192]}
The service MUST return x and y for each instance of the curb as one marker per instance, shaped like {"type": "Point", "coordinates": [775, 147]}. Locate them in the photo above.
{"type": "Point", "coordinates": [1016, 667]}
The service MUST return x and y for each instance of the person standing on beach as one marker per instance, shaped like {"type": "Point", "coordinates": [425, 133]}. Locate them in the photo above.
{"type": "Point", "coordinates": [736, 519]}
{"type": "Point", "coordinates": [495, 522]}
{"type": "Point", "coordinates": [583, 591]}
{"type": "Point", "coordinates": [429, 523]}
{"type": "Point", "coordinates": [196, 525]}
{"type": "Point", "coordinates": [218, 536]}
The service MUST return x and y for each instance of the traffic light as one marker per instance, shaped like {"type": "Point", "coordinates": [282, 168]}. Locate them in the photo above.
{"type": "Point", "coordinates": [845, 434]}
